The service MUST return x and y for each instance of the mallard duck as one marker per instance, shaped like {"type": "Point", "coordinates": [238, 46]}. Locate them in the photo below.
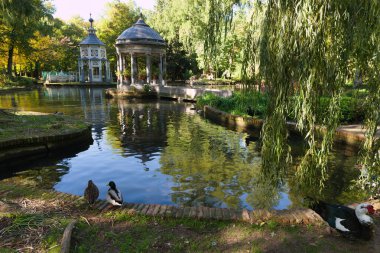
{"type": "Point", "coordinates": [91, 193]}
{"type": "Point", "coordinates": [114, 196]}
{"type": "Point", "coordinates": [347, 221]}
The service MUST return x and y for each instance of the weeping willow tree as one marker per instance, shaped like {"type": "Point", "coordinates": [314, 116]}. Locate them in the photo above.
{"type": "Point", "coordinates": [302, 50]}
{"type": "Point", "coordinates": [308, 48]}
{"type": "Point", "coordinates": [219, 22]}
{"type": "Point", "coordinates": [367, 60]}
{"type": "Point", "coordinates": [251, 43]}
{"type": "Point", "coordinates": [309, 45]}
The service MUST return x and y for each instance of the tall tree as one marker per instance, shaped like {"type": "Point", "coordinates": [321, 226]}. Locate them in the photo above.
{"type": "Point", "coordinates": [205, 28]}
{"type": "Point", "coordinates": [19, 20]}
{"type": "Point", "coordinates": [118, 17]}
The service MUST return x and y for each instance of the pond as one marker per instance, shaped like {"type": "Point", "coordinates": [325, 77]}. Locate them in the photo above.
{"type": "Point", "coordinates": [164, 152]}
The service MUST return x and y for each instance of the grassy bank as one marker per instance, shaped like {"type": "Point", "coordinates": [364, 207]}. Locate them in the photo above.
{"type": "Point", "coordinates": [22, 125]}
{"type": "Point", "coordinates": [238, 103]}
{"type": "Point", "coordinates": [17, 82]}
{"type": "Point", "coordinates": [33, 220]}
{"type": "Point", "coordinates": [253, 103]}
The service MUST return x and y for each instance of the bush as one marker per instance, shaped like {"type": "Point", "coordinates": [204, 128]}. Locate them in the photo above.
{"type": "Point", "coordinates": [147, 88]}
{"type": "Point", "coordinates": [238, 103]}
{"type": "Point", "coordinates": [16, 81]}
{"type": "Point", "coordinates": [351, 109]}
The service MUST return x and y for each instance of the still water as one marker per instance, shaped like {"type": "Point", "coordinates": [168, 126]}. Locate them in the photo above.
{"type": "Point", "coordinates": [163, 152]}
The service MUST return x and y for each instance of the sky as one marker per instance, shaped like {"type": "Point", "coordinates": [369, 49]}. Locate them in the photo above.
{"type": "Point", "coordinates": [65, 9]}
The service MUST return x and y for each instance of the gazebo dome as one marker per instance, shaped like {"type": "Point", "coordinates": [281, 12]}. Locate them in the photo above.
{"type": "Point", "coordinates": [140, 33]}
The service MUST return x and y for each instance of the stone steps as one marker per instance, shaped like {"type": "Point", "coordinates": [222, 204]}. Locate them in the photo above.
{"type": "Point", "coordinates": [293, 216]}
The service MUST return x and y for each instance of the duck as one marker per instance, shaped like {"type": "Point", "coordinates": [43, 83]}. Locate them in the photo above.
{"type": "Point", "coordinates": [114, 196]}
{"type": "Point", "coordinates": [91, 193]}
{"type": "Point", "coordinates": [351, 223]}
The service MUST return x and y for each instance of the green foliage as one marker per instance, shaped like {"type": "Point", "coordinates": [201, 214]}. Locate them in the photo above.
{"type": "Point", "coordinates": [127, 72]}
{"type": "Point", "coordinates": [180, 63]}
{"type": "Point", "coordinates": [19, 20]}
{"type": "Point", "coordinates": [118, 17]}
{"type": "Point", "coordinates": [147, 88]}
{"type": "Point", "coordinates": [238, 103]}
{"type": "Point", "coordinates": [203, 28]}
{"type": "Point", "coordinates": [17, 81]}
{"type": "Point", "coordinates": [309, 46]}
{"type": "Point", "coordinates": [64, 45]}
{"type": "Point", "coordinates": [351, 110]}
{"type": "Point", "coordinates": [311, 49]}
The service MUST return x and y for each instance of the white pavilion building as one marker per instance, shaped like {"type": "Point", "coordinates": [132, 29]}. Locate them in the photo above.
{"type": "Point", "coordinates": [93, 64]}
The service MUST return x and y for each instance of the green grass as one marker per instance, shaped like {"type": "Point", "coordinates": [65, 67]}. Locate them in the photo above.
{"type": "Point", "coordinates": [13, 126]}
{"type": "Point", "coordinates": [351, 105]}
{"type": "Point", "coordinates": [49, 227]}
{"type": "Point", "coordinates": [238, 103]}
{"type": "Point", "coordinates": [15, 82]}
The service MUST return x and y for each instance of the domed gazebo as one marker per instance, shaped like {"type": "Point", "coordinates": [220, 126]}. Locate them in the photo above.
{"type": "Point", "coordinates": [134, 43]}
{"type": "Point", "coordinates": [92, 63]}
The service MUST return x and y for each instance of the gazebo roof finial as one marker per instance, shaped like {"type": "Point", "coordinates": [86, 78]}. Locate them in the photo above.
{"type": "Point", "coordinates": [91, 20]}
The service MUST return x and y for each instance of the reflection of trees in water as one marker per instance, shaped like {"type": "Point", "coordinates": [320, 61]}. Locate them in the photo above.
{"type": "Point", "coordinates": [265, 194]}
{"type": "Point", "coordinates": [44, 177]}
{"type": "Point", "coordinates": [339, 183]}
{"type": "Point", "coordinates": [210, 165]}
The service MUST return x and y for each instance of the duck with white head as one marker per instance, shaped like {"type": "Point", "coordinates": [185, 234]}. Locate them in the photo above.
{"type": "Point", "coordinates": [352, 223]}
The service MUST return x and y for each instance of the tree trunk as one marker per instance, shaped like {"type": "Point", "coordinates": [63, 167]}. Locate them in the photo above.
{"type": "Point", "coordinates": [10, 60]}
{"type": "Point", "coordinates": [36, 70]}
{"type": "Point", "coordinates": [10, 53]}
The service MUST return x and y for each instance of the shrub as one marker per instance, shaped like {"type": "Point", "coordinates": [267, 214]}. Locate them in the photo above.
{"type": "Point", "coordinates": [238, 103]}
{"type": "Point", "coordinates": [147, 88]}
{"type": "Point", "coordinates": [16, 81]}
{"type": "Point", "coordinates": [351, 109]}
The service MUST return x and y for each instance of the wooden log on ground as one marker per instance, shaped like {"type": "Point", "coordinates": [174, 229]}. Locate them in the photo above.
{"type": "Point", "coordinates": [66, 238]}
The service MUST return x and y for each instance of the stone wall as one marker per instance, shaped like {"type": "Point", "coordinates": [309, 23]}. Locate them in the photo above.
{"type": "Point", "coordinates": [346, 134]}
{"type": "Point", "coordinates": [37, 146]}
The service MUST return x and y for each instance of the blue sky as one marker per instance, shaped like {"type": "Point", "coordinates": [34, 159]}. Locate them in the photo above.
{"type": "Point", "coordinates": [65, 9]}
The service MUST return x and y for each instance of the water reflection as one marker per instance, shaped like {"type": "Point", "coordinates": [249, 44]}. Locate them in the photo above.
{"type": "Point", "coordinates": [163, 152]}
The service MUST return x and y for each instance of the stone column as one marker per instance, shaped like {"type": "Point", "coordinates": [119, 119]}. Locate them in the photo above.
{"type": "Point", "coordinates": [79, 65]}
{"type": "Point", "coordinates": [164, 71]}
{"type": "Point", "coordinates": [133, 69]}
{"type": "Point", "coordinates": [100, 70]}
{"type": "Point", "coordinates": [117, 67]}
{"type": "Point", "coordinates": [123, 67]}
{"type": "Point", "coordinates": [160, 67]}
{"type": "Point", "coordinates": [108, 71]}
{"type": "Point", "coordinates": [82, 71]}
{"type": "Point", "coordinates": [120, 60]}
{"type": "Point", "coordinates": [148, 66]}
{"type": "Point", "coordinates": [90, 70]}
